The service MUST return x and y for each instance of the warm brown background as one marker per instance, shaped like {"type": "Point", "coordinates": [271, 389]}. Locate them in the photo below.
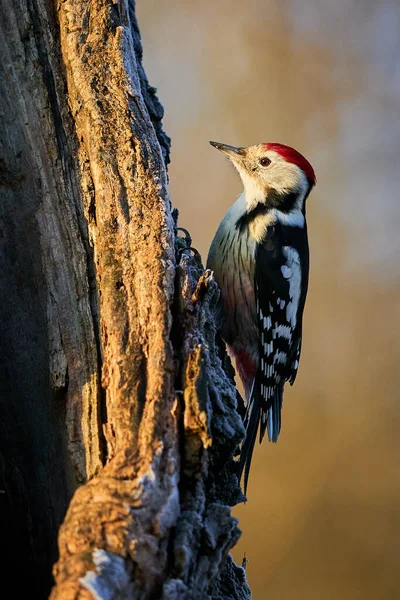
{"type": "Point", "coordinates": [323, 517]}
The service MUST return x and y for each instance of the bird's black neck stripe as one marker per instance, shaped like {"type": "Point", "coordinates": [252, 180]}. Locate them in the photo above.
{"type": "Point", "coordinates": [282, 202]}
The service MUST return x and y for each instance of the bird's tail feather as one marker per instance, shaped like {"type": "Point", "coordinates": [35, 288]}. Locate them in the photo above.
{"type": "Point", "coordinates": [274, 415]}
{"type": "Point", "coordinates": [269, 419]}
{"type": "Point", "coordinates": [251, 422]}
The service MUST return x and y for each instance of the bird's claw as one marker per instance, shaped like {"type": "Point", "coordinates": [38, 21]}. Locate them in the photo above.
{"type": "Point", "coordinates": [188, 237]}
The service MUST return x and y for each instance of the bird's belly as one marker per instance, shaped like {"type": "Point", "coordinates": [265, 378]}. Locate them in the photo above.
{"type": "Point", "coordinates": [235, 276]}
{"type": "Point", "coordinates": [239, 306]}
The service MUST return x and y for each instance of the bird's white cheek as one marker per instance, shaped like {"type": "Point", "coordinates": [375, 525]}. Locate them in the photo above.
{"type": "Point", "coordinates": [254, 188]}
{"type": "Point", "coordinates": [284, 178]}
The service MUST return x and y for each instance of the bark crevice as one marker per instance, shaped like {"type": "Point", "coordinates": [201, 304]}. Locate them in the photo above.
{"type": "Point", "coordinates": [112, 360]}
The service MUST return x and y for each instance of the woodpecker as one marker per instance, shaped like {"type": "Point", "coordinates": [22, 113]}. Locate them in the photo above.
{"type": "Point", "coordinates": [260, 259]}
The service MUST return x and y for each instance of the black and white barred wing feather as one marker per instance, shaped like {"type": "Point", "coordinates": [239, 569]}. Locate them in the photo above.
{"type": "Point", "coordinates": [278, 293]}
{"type": "Point", "coordinates": [278, 289]}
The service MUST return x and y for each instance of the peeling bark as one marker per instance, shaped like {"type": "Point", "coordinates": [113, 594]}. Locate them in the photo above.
{"type": "Point", "coordinates": [116, 388]}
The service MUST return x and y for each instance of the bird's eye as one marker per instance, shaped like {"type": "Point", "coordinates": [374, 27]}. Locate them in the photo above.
{"type": "Point", "coordinates": [264, 162]}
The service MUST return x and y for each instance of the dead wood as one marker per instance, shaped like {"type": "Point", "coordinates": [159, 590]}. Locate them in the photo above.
{"type": "Point", "coordinates": [115, 386]}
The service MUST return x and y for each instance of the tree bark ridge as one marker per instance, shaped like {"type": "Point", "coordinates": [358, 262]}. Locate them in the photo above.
{"type": "Point", "coordinates": [117, 319]}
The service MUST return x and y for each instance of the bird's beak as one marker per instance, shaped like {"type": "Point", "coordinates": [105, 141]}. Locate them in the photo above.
{"type": "Point", "coordinates": [230, 151]}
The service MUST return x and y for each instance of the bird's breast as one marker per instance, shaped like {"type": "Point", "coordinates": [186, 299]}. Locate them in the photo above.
{"type": "Point", "coordinates": [232, 258]}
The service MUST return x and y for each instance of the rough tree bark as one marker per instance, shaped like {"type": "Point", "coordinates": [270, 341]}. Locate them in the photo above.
{"type": "Point", "coordinates": [116, 393]}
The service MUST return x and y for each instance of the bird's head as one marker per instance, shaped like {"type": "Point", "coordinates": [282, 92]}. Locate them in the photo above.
{"type": "Point", "coordinates": [270, 172]}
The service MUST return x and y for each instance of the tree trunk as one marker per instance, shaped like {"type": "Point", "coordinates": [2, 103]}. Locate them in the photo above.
{"type": "Point", "coordinates": [117, 396]}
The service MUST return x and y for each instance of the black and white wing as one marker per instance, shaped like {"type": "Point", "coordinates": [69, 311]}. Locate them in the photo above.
{"type": "Point", "coordinates": [281, 278]}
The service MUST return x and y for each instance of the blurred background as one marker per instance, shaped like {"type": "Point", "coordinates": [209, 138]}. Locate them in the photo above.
{"type": "Point", "coordinates": [323, 517]}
